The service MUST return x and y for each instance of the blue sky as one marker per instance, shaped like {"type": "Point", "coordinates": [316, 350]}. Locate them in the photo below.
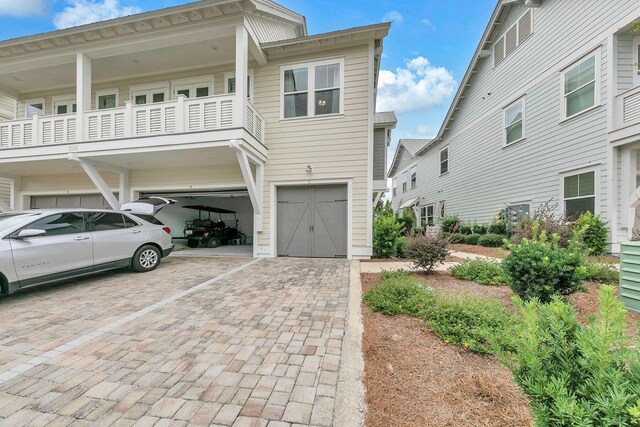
{"type": "Point", "coordinates": [425, 54]}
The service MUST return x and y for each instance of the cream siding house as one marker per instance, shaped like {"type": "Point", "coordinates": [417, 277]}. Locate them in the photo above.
{"type": "Point", "coordinates": [545, 111]}
{"type": "Point", "coordinates": [217, 102]}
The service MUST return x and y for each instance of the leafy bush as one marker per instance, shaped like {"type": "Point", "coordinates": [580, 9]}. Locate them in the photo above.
{"type": "Point", "coordinates": [407, 219]}
{"type": "Point", "coordinates": [399, 294]}
{"type": "Point", "coordinates": [492, 240]}
{"type": "Point", "coordinates": [548, 221]}
{"type": "Point", "coordinates": [471, 239]}
{"type": "Point", "coordinates": [473, 322]}
{"type": "Point", "coordinates": [537, 268]}
{"type": "Point", "coordinates": [427, 251]}
{"type": "Point", "coordinates": [480, 229]}
{"type": "Point", "coordinates": [498, 227]}
{"type": "Point", "coordinates": [600, 273]}
{"type": "Point", "coordinates": [483, 272]}
{"type": "Point", "coordinates": [594, 233]}
{"type": "Point", "coordinates": [576, 375]}
{"type": "Point", "coordinates": [450, 224]}
{"type": "Point", "coordinates": [388, 235]}
{"type": "Point", "coordinates": [465, 229]}
{"type": "Point", "coordinates": [455, 237]}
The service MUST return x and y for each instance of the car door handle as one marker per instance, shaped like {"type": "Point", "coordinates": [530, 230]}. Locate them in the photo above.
{"type": "Point", "coordinates": [136, 231]}
{"type": "Point", "coordinates": [81, 238]}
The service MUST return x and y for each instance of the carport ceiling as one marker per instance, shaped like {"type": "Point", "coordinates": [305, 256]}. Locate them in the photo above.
{"type": "Point", "coordinates": [230, 194]}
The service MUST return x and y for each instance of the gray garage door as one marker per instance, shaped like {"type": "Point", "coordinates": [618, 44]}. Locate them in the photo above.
{"type": "Point", "coordinates": [90, 201]}
{"type": "Point", "coordinates": [312, 221]}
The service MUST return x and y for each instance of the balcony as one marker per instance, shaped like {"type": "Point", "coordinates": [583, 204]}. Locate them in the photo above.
{"type": "Point", "coordinates": [626, 115]}
{"type": "Point", "coordinates": [179, 116]}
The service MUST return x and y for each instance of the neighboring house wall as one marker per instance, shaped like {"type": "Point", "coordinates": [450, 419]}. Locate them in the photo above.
{"type": "Point", "coordinates": [379, 157]}
{"type": "Point", "coordinates": [5, 191]}
{"type": "Point", "coordinates": [405, 161]}
{"type": "Point", "coordinates": [484, 174]}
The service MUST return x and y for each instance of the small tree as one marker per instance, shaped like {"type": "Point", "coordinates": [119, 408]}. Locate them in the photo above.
{"type": "Point", "coordinates": [388, 233]}
{"type": "Point", "coordinates": [426, 251]}
{"type": "Point", "coordinates": [594, 233]}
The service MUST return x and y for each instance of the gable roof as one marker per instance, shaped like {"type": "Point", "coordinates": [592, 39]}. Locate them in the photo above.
{"type": "Point", "coordinates": [482, 52]}
{"type": "Point", "coordinates": [412, 146]}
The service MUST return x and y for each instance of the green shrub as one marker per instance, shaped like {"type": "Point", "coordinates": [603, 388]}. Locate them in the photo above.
{"type": "Point", "coordinates": [498, 227]}
{"type": "Point", "coordinates": [483, 272]}
{"type": "Point", "coordinates": [540, 269]}
{"type": "Point", "coordinates": [576, 375]}
{"type": "Point", "coordinates": [465, 229]}
{"type": "Point", "coordinates": [480, 229]}
{"type": "Point", "coordinates": [594, 233]}
{"type": "Point", "coordinates": [471, 239]}
{"type": "Point", "coordinates": [388, 235]}
{"type": "Point", "coordinates": [473, 322]}
{"type": "Point", "coordinates": [426, 251]}
{"type": "Point", "coordinates": [407, 219]}
{"type": "Point", "coordinates": [492, 240]}
{"type": "Point", "coordinates": [600, 273]}
{"type": "Point", "coordinates": [455, 237]}
{"type": "Point", "coordinates": [399, 293]}
{"type": "Point", "coordinates": [450, 224]}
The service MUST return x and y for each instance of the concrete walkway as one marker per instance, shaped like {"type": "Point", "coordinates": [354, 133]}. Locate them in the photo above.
{"type": "Point", "coordinates": [380, 266]}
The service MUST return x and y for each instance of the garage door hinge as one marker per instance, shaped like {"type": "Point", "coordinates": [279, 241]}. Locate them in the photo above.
{"type": "Point", "coordinates": [345, 200]}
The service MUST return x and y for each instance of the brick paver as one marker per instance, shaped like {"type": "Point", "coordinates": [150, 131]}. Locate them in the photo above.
{"type": "Point", "coordinates": [259, 347]}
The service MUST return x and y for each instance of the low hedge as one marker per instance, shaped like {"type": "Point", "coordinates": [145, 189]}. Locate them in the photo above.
{"type": "Point", "coordinates": [492, 240]}
{"type": "Point", "coordinates": [471, 239]}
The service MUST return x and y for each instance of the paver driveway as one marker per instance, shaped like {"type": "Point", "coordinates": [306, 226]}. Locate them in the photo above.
{"type": "Point", "coordinates": [199, 341]}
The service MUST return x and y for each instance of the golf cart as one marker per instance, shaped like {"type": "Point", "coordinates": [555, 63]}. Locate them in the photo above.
{"type": "Point", "coordinates": [210, 233]}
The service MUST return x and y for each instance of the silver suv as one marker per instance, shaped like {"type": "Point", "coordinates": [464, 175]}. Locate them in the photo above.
{"type": "Point", "coordinates": [48, 246]}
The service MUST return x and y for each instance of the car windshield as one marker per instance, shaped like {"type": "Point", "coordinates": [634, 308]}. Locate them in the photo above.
{"type": "Point", "coordinates": [8, 220]}
{"type": "Point", "coordinates": [149, 218]}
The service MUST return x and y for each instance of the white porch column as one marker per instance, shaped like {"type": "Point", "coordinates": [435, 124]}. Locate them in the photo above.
{"type": "Point", "coordinates": [83, 92]}
{"type": "Point", "coordinates": [242, 70]}
{"type": "Point", "coordinates": [16, 199]}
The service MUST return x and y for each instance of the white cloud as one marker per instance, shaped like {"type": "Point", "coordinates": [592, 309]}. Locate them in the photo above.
{"type": "Point", "coordinates": [393, 16]}
{"type": "Point", "coordinates": [86, 11]}
{"type": "Point", "coordinates": [24, 7]}
{"type": "Point", "coordinates": [419, 86]}
{"type": "Point", "coordinates": [427, 23]}
{"type": "Point", "coordinates": [425, 129]}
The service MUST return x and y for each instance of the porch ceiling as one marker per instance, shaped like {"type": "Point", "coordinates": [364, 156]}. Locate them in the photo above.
{"type": "Point", "coordinates": [153, 62]}
{"type": "Point", "coordinates": [215, 156]}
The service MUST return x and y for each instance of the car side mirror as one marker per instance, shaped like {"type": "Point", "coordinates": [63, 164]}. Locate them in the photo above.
{"type": "Point", "coordinates": [30, 232]}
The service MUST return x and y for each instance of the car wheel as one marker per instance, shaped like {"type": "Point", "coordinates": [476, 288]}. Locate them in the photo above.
{"type": "Point", "coordinates": [146, 258]}
{"type": "Point", "coordinates": [213, 243]}
{"type": "Point", "coordinates": [192, 243]}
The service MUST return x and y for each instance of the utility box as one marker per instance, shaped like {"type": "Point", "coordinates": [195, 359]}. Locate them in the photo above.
{"type": "Point", "coordinates": [630, 275]}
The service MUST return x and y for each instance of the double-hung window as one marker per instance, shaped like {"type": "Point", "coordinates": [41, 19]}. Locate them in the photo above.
{"type": "Point", "coordinates": [514, 122]}
{"type": "Point", "coordinates": [581, 86]}
{"type": "Point", "coordinates": [312, 90]}
{"type": "Point", "coordinates": [579, 194]}
{"type": "Point", "coordinates": [404, 182]}
{"type": "Point", "coordinates": [413, 175]}
{"type": "Point", "coordinates": [444, 160]}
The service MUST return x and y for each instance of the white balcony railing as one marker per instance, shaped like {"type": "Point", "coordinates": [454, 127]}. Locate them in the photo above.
{"type": "Point", "coordinates": [627, 108]}
{"type": "Point", "coordinates": [176, 116]}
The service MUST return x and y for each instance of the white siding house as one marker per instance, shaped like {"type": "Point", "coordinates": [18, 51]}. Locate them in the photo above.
{"type": "Point", "coordinates": [548, 109]}
{"type": "Point", "coordinates": [212, 100]}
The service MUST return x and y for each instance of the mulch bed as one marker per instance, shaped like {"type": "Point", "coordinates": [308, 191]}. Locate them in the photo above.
{"type": "Point", "coordinates": [413, 379]}
{"type": "Point", "coordinates": [479, 250]}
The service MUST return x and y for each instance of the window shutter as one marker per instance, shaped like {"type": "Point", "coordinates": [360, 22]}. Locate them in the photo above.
{"type": "Point", "coordinates": [511, 39]}
{"type": "Point", "coordinates": [498, 51]}
{"type": "Point", "coordinates": [525, 26]}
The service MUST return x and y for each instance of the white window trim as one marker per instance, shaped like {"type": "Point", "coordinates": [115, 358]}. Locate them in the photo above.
{"type": "Point", "coordinates": [66, 99]}
{"type": "Point", "coordinates": [26, 103]}
{"type": "Point", "coordinates": [441, 214]}
{"type": "Point", "coordinates": [440, 161]}
{"type": "Point", "coordinates": [597, 90]}
{"type": "Point", "coordinates": [426, 213]}
{"type": "Point", "coordinates": [523, 120]}
{"type": "Point", "coordinates": [636, 75]}
{"type": "Point", "coordinates": [503, 38]}
{"type": "Point", "coordinates": [104, 92]}
{"type": "Point", "coordinates": [232, 74]}
{"type": "Point", "coordinates": [311, 75]}
{"type": "Point", "coordinates": [206, 79]}
{"type": "Point", "coordinates": [164, 86]}
{"type": "Point", "coordinates": [596, 185]}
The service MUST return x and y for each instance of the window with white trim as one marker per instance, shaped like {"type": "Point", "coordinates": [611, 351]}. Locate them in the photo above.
{"type": "Point", "coordinates": [107, 99]}
{"type": "Point", "coordinates": [513, 37]}
{"type": "Point", "coordinates": [66, 106]}
{"type": "Point", "coordinates": [230, 83]}
{"type": "Point", "coordinates": [514, 122]}
{"type": "Point", "coordinates": [581, 86]}
{"type": "Point", "coordinates": [33, 107]}
{"type": "Point", "coordinates": [194, 87]}
{"type": "Point", "coordinates": [149, 93]}
{"type": "Point", "coordinates": [444, 160]}
{"type": "Point", "coordinates": [413, 174]}
{"type": "Point", "coordinates": [442, 210]}
{"type": "Point", "coordinates": [579, 194]}
{"type": "Point", "coordinates": [426, 215]}
{"type": "Point", "coordinates": [311, 90]}
{"type": "Point", "coordinates": [404, 181]}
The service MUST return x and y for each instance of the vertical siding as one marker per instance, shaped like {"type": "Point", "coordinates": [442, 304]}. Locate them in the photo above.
{"type": "Point", "coordinates": [379, 154]}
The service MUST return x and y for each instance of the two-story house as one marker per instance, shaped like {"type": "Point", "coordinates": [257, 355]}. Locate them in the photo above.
{"type": "Point", "coordinates": [224, 103]}
{"type": "Point", "coordinates": [548, 109]}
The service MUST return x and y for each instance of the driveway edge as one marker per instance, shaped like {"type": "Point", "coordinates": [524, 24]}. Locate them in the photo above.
{"type": "Point", "coordinates": [350, 403]}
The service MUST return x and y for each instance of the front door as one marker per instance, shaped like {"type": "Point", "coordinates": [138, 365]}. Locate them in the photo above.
{"type": "Point", "coordinates": [67, 247]}
{"type": "Point", "coordinates": [312, 221]}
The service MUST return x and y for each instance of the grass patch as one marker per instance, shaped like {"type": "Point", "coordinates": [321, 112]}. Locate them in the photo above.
{"type": "Point", "coordinates": [400, 293]}
{"type": "Point", "coordinates": [480, 271]}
